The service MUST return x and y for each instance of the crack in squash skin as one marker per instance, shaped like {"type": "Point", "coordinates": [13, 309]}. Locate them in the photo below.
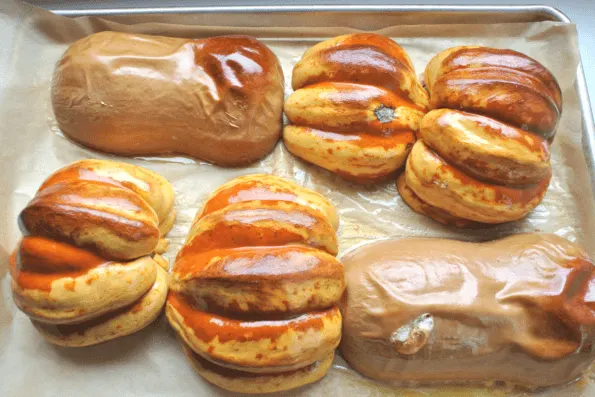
{"type": "Point", "coordinates": [356, 107]}
{"type": "Point", "coordinates": [483, 151]}
{"type": "Point", "coordinates": [254, 289]}
{"type": "Point", "coordinates": [88, 268]}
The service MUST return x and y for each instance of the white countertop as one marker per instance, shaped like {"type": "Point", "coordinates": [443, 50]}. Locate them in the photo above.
{"type": "Point", "coordinates": [581, 12]}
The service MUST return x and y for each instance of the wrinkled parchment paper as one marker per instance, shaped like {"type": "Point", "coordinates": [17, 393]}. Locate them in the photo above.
{"type": "Point", "coordinates": [150, 362]}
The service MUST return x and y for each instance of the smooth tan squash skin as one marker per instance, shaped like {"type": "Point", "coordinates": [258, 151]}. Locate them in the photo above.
{"type": "Point", "coordinates": [518, 310]}
{"type": "Point", "coordinates": [218, 99]}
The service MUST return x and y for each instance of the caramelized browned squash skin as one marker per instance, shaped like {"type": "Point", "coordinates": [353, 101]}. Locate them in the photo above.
{"type": "Point", "coordinates": [356, 107]}
{"type": "Point", "coordinates": [88, 268]}
{"type": "Point", "coordinates": [254, 289]}
{"type": "Point", "coordinates": [483, 153]}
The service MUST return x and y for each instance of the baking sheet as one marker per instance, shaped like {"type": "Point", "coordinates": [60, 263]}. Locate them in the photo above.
{"type": "Point", "coordinates": [150, 362]}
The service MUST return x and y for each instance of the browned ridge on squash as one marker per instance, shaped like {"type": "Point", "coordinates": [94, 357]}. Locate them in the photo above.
{"type": "Point", "coordinates": [255, 287]}
{"type": "Point", "coordinates": [356, 107]}
{"type": "Point", "coordinates": [483, 154]}
{"type": "Point", "coordinates": [88, 268]}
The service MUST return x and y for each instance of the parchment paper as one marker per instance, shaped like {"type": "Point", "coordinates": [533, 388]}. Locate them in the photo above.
{"type": "Point", "coordinates": [150, 362]}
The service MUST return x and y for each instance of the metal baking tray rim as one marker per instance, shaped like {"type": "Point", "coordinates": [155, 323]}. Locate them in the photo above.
{"type": "Point", "coordinates": [553, 13]}
{"type": "Point", "coordinates": [548, 13]}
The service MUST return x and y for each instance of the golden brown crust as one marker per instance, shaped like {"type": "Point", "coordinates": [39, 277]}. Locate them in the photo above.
{"type": "Point", "coordinates": [356, 107]}
{"type": "Point", "coordinates": [255, 286]}
{"type": "Point", "coordinates": [114, 324]}
{"type": "Point", "coordinates": [258, 220]}
{"type": "Point", "coordinates": [264, 187]}
{"type": "Point", "coordinates": [261, 223]}
{"type": "Point", "coordinates": [152, 187]}
{"type": "Point", "coordinates": [112, 221]}
{"type": "Point", "coordinates": [509, 310]}
{"type": "Point", "coordinates": [260, 280]}
{"type": "Point", "coordinates": [381, 42]}
{"type": "Point", "coordinates": [360, 158]}
{"type": "Point", "coordinates": [256, 345]}
{"type": "Point", "coordinates": [466, 57]}
{"type": "Point", "coordinates": [350, 108]}
{"type": "Point", "coordinates": [421, 207]}
{"type": "Point", "coordinates": [483, 154]}
{"type": "Point", "coordinates": [441, 185]}
{"type": "Point", "coordinates": [60, 284]}
{"type": "Point", "coordinates": [251, 383]}
{"type": "Point", "coordinates": [506, 95]}
{"type": "Point", "coordinates": [365, 58]}
{"type": "Point", "coordinates": [93, 232]}
{"type": "Point", "coordinates": [221, 98]}
{"type": "Point", "coordinates": [512, 157]}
